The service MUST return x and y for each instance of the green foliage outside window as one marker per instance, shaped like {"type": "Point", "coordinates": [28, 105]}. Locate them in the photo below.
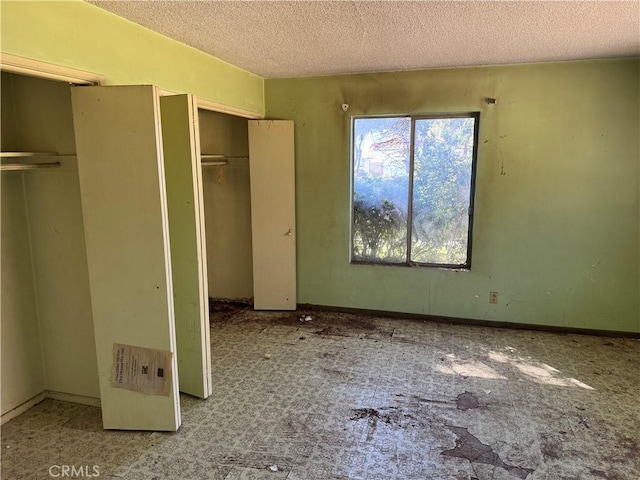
{"type": "Point", "coordinates": [438, 170]}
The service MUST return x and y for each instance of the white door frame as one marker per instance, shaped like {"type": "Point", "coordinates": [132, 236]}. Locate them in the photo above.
{"type": "Point", "coordinates": [36, 68]}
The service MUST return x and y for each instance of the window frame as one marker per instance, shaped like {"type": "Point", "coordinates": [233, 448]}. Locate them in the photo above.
{"type": "Point", "coordinates": [466, 266]}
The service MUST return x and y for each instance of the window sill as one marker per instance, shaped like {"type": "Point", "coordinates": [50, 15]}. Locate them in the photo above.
{"type": "Point", "coordinates": [450, 268]}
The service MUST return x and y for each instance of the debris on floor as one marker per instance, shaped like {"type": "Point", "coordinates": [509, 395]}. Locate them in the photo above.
{"type": "Point", "coordinates": [273, 468]}
{"type": "Point", "coordinates": [306, 318]}
{"type": "Point", "coordinates": [583, 421]}
{"type": "Point", "coordinates": [363, 398]}
{"type": "Point", "coordinates": [393, 416]}
{"type": "Point", "coordinates": [466, 401]}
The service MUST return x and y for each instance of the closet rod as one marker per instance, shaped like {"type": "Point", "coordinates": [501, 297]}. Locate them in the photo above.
{"type": "Point", "coordinates": [217, 156]}
{"type": "Point", "coordinates": [34, 154]}
{"type": "Point", "coordinates": [28, 166]}
{"type": "Point", "coordinates": [217, 159]}
{"type": "Point", "coordinates": [27, 154]}
{"type": "Point", "coordinates": [214, 163]}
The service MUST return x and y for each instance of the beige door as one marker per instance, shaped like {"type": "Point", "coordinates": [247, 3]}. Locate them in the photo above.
{"type": "Point", "coordinates": [181, 143]}
{"type": "Point", "coordinates": [122, 185]}
{"type": "Point", "coordinates": [273, 222]}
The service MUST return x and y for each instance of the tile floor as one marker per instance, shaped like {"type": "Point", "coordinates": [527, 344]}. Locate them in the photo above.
{"type": "Point", "coordinates": [351, 397]}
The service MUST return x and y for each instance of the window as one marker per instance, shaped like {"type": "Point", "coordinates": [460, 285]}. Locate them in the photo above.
{"type": "Point", "coordinates": [412, 190]}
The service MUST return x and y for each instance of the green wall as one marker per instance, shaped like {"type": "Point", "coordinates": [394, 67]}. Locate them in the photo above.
{"type": "Point", "coordinates": [557, 235]}
{"type": "Point", "coordinates": [556, 229]}
{"type": "Point", "coordinates": [22, 371]}
{"type": "Point", "coordinates": [78, 35]}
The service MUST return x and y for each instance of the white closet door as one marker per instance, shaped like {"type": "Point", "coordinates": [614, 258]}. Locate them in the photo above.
{"type": "Point", "coordinates": [181, 142]}
{"type": "Point", "coordinates": [122, 184]}
{"type": "Point", "coordinates": [273, 221]}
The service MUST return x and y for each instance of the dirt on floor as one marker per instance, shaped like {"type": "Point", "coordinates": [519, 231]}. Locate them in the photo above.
{"type": "Point", "coordinates": [317, 322]}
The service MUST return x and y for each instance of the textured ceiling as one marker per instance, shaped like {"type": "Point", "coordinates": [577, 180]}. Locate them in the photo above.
{"type": "Point", "coordinates": [305, 38]}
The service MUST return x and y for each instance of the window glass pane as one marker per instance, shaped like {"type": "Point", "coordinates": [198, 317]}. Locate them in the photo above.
{"type": "Point", "coordinates": [381, 150]}
{"type": "Point", "coordinates": [443, 159]}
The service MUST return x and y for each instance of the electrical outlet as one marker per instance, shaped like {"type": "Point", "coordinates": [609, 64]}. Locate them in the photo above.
{"type": "Point", "coordinates": [493, 297]}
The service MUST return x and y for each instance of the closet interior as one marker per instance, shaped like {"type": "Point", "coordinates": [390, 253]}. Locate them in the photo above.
{"type": "Point", "coordinates": [47, 329]}
{"type": "Point", "coordinates": [123, 213]}
{"type": "Point", "coordinates": [224, 142]}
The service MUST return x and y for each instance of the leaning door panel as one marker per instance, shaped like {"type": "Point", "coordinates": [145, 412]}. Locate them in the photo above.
{"type": "Point", "coordinates": [124, 208]}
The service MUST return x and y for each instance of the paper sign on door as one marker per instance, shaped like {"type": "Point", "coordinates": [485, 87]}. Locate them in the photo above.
{"type": "Point", "coordinates": [140, 369]}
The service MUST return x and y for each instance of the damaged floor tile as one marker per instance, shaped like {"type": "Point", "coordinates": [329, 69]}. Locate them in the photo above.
{"type": "Point", "coordinates": [344, 397]}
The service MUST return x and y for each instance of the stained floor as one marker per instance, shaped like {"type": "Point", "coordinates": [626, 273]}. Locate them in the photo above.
{"type": "Point", "coordinates": [354, 397]}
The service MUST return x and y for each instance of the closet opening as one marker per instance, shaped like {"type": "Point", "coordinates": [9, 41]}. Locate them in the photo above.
{"type": "Point", "coordinates": [224, 146]}
{"type": "Point", "coordinates": [48, 347]}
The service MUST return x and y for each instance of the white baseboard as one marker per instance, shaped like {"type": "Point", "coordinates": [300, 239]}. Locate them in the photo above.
{"type": "Point", "coordinates": [70, 397]}
{"type": "Point", "coordinates": [23, 407]}
{"type": "Point", "coordinates": [65, 397]}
